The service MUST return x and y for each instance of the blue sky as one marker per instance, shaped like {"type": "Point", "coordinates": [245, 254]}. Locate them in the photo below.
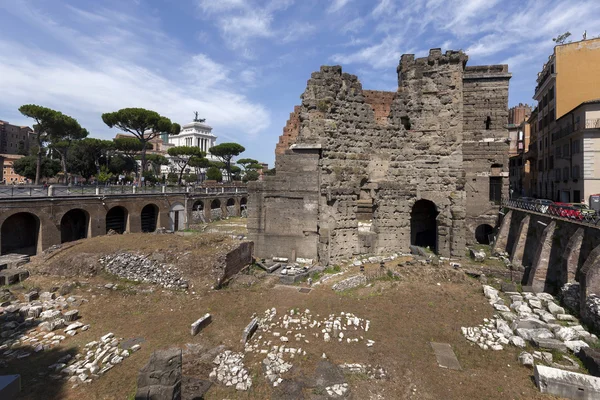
{"type": "Point", "coordinates": [243, 64]}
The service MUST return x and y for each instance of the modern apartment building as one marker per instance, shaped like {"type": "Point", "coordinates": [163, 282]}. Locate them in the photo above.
{"type": "Point", "coordinates": [569, 79]}
{"type": "Point", "coordinates": [14, 139]}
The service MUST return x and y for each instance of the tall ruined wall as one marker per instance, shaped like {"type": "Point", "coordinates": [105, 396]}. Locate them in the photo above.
{"type": "Point", "coordinates": [391, 160]}
{"type": "Point", "coordinates": [485, 146]}
{"type": "Point", "coordinates": [290, 132]}
{"type": "Point", "coordinates": [381, 103]}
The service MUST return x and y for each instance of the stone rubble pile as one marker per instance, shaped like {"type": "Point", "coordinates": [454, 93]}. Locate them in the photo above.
{"type": "Point", "coordinates": [28, 326]}
{"type": "Point", "coordinates": [337, 390]}
{"type": "Point", "coordinates": [280, 338]}
{"type": "Point", "coordinates": [230, 370]}
{"type": "Point", "coordinates": [376, 372]}
{"type": "Point", "coordinates": [138, 268]}
{"type": "Point", "coordinates": [534, 318]}
{"type": "Point", "coordinates": [350, 283]}
{"type": "Point", "coordinates": [360, 260]}
{"type": "Point", "coordinates": [293, 269]}
{"type": "Point", "coordinates": [100, 357]}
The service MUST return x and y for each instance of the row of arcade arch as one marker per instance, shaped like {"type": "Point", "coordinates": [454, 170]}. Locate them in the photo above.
{"type": "Point", "coordinates": [20, 232]}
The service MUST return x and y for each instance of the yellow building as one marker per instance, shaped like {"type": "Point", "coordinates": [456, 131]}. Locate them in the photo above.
{"type": "Point", "coordinates": [9, 176]}
{"type": "Point", "coordinates": [569, 78]}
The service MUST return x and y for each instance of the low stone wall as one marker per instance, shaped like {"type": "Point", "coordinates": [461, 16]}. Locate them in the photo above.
{"type": "Point", "coordinates": [236, 260]}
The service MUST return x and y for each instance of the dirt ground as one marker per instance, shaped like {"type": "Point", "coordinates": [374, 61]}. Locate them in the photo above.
{"type": "Point", "coordinates": [424, 304]}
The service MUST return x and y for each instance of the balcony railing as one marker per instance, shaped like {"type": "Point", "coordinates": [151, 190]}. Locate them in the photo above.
{"type": "Point", "coordinates": [593, 123]}
{"type": "Point", "coordinates": [89, 190]}
{"type": "Point", "coordinates": [557, 211]}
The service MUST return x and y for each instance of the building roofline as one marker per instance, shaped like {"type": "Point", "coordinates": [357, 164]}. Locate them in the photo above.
{"type": "Point", "coordinates": [593, 101]}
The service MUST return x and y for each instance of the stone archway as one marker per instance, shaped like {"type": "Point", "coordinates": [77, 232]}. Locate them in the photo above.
{"type": "Point", "coordinates": [216, 213]}
{"type": "Point", "coordinates": [423, 224]}
{"type": "Point", "coordinates": [149, 217]}
{"type": "Point", "coordinates": [198, 211]}
{"type": "Point", "coordinates": [74, 225]}
{"type": "Point", "coordinates": [482, 233]}
{"type": "Point", "coordinates": [177, 217]}
{"type": "Point", "coordinates": [20, 234]}
{"type": "Point", "coordinates": [244, 206]}
{"type": "Point", "coordinates": [116, 219]}
{"type": "Point", "coordinates": [230, 207]}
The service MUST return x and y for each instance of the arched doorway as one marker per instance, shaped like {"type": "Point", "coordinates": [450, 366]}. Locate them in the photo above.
{"type": "Point", "coordinates": [74, 225]}
{"type": "Point", "coordinates": [20, 233]}
{"type": "Point", "coordinates": [176, 217]}
{"type": "Point", "coordinates": [116, 219]}
{"type": "Point", "coordinates": [423, 225]}
{"type": "Point", "coordinates": [482, 233]}
{"type": "Point", "coordinates": [244, 206]}
{"type": "Point", "coordinates": [198, 211]}
{"type": "Point", "coordinates": [149, 217]}
{"type": "Point", "coordinates": [230, 207]}
{"type": "Point", "coordinates": [215, 210]}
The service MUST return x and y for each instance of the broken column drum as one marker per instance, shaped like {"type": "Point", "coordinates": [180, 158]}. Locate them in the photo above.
{"type": "Point", "coordinates": [393, 163]}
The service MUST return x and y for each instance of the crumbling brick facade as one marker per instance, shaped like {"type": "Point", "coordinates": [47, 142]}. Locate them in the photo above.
{"type": "Point", "coordinates": [374, 172]}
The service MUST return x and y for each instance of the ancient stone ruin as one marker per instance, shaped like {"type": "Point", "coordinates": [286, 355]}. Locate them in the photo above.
{"type": "Point", "coordinates": [367, 172]}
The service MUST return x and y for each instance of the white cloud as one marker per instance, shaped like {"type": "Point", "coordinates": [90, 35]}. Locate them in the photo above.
{"type": "Point", "coordinates": [297, 31]}
{"type": "Point", "coordinates": [120, 67]}
{"type": "Point", "coordinates": [380, 55]}
{"type": "Point", "coordinates": [384, 7]}
{"type": "Point", "coordinates": [337, 5]}
{"type": "Point", "coordinates": [353, 26]}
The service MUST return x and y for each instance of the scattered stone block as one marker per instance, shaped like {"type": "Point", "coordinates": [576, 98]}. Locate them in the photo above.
{"type": "Point", "coordinates": [552, 344]}
{"type": "Point", "coordinates": [567, 384]}
{"type": "Point", "coordinates": [526, 359]}
{"type": "Point", "coordinates": [71, 315]}
{"type": "Point", "coordinates": [201, 324]}
{"type": "Point", "coordinates": [445, 356]}
{"type": "Point", "coordinates": [590, 359]}
{"type": "Point", "coordinates": [249, 330]}
{"type": "Point", "coordinates": [477, 255]}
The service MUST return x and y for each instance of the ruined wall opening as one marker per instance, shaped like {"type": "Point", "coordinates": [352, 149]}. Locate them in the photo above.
{"type": "Point", "coordinates": [483, 233]}
{"type": "Point", "coordinates": [116, 219]}
{"type": "Point", "coordinates": [176, 217]}
{"type": "Point", "coordinates": [423, 224]}
{"type": "Point", "coordinates": [405, 121]}
{"type": "Point", "coordinates": [198, 211]}
{"type": "Point", "coordinates": [243, 206]}
{"type": "Point", "coordinates": [488, 123]}
{"type": "Point", "coordinates": [215, 210]}
{"type": "Point", "coordinates": [20, 233]}
{"type": "Point", "coordinates": [74, 225]}
{"type": "Point", "coordinates": [230, 207]}
{"type": "Point", "coordinates": [149, 217]}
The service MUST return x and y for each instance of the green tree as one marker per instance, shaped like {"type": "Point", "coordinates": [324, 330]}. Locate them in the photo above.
{"type": "Point", "coordinates": [226, 152]}
{"type": "Point", "coordinates": [214, 174]}
{"type": "Point", "coordinates": [28, 167]}
{"type": "Point", "coordinates": [45, 120]}
{"type": "Point", "coordinates": [561, 39]}
{"type": "Point", "coordinates": [236, 173]}
{"type": "Point", "coordinates": [121, 164]}
{"type": "Point", "coordinates": [156, 161]}
{"type": "Point", "coordinates": [199, 164]}
{"type": "Point", "coordinates": [62, 133]}
{"type": "Point", "coordinates": [144, 124]}
{"type": "Point", "coordinates": [251, 175]}
{"type": "Point", "coordinates": [87, 155]}
{"type": "Point", "coordinates": [245, 162]}
{"type": "Point", "coordinates": [181, 156]}
{"type": "Point", "coordinates": [105, 175]}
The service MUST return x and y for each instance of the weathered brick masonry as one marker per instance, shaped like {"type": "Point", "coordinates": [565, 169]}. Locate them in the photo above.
{"type": "Point", "coordinates": [373, 172]}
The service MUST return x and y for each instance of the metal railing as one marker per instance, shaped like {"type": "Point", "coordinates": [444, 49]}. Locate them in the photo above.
{"type": "Point", "coordinates": [88, 190]}
{"type": "Point", "coordinates": [555, 210]}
